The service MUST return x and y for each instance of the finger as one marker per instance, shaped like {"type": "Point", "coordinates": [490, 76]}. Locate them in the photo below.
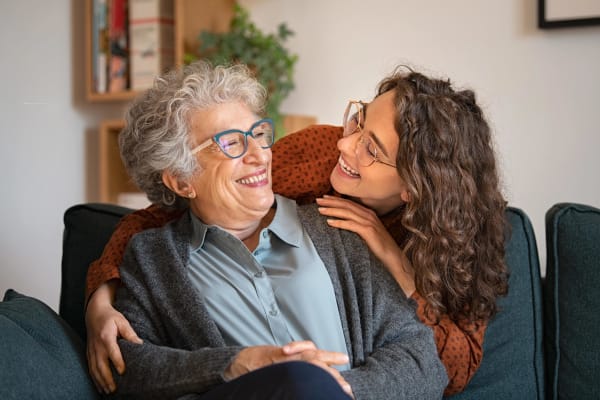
{"type": "Point", "coordinates": [337, 376]}
{"type": "Point", "coordinates": [336, 202]}
{"type": "Point", "coordinates": [352, 226]}
{"type": "Point", "coordinates": [332, 357]}
{"type": "Point", "coordinates": [127, 332]}
{"type": "Point", "coordinates": [103, 368]}
{"type": "Point", "coordinates": [327, 358]}
{"type": "Point", "coordinates": [97, 370]}
{"type": "Point", "coordinates": [298, 347]}
{"type": "Point", "coordinates": [365, 218]}
{"type": "Point", "coordinates": [115, 356]}
{"type": "Point", "coordinates": [96, 378]}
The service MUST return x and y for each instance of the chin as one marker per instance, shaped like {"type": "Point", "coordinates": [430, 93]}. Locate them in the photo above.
{"type": "Point", "coordinates": [266, 201]}
{"type": "Point", "coordinates": [340, 186]}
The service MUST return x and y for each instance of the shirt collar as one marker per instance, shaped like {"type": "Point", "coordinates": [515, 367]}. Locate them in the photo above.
{"type": "Point", "coordinates": [285, 225]}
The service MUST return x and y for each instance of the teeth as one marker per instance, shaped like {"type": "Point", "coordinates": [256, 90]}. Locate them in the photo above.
{"type": "Point", "coordinates": [347, 168]}
{"type": "Point", "coordinates": [253, 179]}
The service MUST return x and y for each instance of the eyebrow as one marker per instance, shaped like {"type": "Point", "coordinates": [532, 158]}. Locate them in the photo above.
{"type": "Point", "coordinates": [379, 143]}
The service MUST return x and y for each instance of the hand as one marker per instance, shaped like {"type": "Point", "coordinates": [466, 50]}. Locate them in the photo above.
{"type": "Point", "coordinates": [351, 216]}
{"type": "Point", "coordinates": [104, 325]}
{"type": "Point", "coordinates": [307, 351]}
{"type": "Point", "coordinates": [252, 358]}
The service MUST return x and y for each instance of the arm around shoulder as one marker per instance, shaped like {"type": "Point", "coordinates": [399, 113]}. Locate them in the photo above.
{"type": "Point", "coordinates": [106, 268]}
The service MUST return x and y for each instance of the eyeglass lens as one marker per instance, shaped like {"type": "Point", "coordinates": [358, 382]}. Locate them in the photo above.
{"type": "Point", "coordinates": [234, 143]}
{"type": "Point", "coordinates": [353, 118]}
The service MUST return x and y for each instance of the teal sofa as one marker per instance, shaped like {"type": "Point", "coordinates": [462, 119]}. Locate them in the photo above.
{"type": "Point", "coordinates": [542, 345]}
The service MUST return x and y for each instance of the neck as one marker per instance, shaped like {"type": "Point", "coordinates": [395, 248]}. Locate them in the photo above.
{"type": "Point", "coordinates": [253, 236]}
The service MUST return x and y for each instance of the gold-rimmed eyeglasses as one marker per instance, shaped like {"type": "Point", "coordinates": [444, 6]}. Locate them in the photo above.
{"type": "Point", "coordinates": [366, 150]}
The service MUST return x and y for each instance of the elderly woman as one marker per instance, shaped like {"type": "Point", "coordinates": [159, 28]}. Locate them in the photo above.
{"type": "Point", "coordinates": [244, 283]}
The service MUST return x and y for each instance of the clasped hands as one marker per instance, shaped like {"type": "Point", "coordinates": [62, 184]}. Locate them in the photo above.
{"type": "Point", "coordinates": [252, 358]}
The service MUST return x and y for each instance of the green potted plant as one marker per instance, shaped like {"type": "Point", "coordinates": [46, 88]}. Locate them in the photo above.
{"type": "Point", "coordinates": [264, 54]}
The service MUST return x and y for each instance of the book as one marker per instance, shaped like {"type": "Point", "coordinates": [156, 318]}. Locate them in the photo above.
{"type": "Point", "coordinates": [118, 75]}
{"type": "Point", "coordinates": [99, 45]}
{"type": "Point", "coordinates": [151, 40]}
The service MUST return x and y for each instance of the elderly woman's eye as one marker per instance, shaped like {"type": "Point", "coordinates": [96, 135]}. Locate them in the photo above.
{"type": "Point", "coordinates": [228, 142]}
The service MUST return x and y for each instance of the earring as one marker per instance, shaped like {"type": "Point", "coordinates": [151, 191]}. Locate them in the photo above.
{"type": "Point", "coordinates": [191, 195]}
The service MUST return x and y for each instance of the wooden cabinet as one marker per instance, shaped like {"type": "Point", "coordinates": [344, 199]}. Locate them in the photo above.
{"type": "Point", "coordinates": [112, 176]}
{"type": "Point", "coordinates": [191, 18]}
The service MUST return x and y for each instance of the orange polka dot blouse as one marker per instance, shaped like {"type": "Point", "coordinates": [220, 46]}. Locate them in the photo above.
{"type": "Point", "coordinates": [302, 163]}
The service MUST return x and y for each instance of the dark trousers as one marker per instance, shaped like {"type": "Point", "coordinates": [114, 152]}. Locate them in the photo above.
{"type": "Point", "coordinates": [294, 380]}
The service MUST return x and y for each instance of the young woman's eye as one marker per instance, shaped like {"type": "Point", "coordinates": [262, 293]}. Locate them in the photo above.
{"type": "Point", "coordinates": [371, 149]}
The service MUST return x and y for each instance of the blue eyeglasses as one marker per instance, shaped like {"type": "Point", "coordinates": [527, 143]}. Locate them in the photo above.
{"type": "Point", "coordinates": [234, 142]}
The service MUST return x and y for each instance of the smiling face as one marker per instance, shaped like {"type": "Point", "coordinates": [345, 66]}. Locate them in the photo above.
{"type": "Point", "coordinates": [230, 193]}
{"type": "Point", "coordinates": [378, 185]}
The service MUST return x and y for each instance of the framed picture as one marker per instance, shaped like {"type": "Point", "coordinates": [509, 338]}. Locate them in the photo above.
{"type": "Point", "coordinates": [564, 13]}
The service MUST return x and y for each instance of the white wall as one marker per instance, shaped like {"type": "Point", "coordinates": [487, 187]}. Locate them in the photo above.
{"type": "Point", "coordinates": [541, 90]}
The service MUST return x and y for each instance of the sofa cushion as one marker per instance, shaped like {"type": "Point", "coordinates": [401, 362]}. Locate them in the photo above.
{"type": "Point", "coordinates": [512, 364]}
{"type": "Point", "coordinates": [42, 357]}
{"type": "Point", "coordinates": [572, 301]}
{"type": "Point", "coordinates": [87, 229]}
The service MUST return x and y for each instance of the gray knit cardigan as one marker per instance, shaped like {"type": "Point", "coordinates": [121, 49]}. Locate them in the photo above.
{"type": "Point", "coordinates": [393, 356]}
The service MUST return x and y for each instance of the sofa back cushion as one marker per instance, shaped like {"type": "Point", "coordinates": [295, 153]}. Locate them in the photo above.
{"type": "Point", "coordinates": [512, 364]}
{"type": "Point", "coordinates": [87, 229]}
{"type": "Point", "coordinates": [42, 357]}
{"type": "Point", "coordinates": [572, 301]}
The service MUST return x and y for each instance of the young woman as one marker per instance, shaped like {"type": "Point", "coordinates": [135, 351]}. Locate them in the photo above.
{"type": "Point", "coordinates": [420, 161]}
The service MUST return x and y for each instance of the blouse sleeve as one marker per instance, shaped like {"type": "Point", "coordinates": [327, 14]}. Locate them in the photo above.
{"type": "Point", "coordinates": [460, 347]}
{"type": "Point", "coordinates": [106, 267]}
{"type": "Point", "coordinates": [303, 161]}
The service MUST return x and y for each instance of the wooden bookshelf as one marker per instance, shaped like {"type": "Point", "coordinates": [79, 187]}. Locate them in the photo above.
{"type": "Point", "coordinates": [191, 18]}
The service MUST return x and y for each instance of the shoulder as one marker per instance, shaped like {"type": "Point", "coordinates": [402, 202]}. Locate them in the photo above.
{"type": "Point", "coordinates": [158, 239]}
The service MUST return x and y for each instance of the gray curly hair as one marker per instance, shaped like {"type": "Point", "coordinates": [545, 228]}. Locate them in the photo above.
{"type": "Point", "coordinates": [156, 137]}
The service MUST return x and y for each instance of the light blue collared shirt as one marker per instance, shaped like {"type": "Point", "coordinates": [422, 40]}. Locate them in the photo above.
{"type": "Point", "coordinates": [279, 293]}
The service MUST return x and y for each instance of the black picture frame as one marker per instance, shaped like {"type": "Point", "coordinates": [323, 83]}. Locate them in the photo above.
{"type": "Point", "coordinates": [559, 22]}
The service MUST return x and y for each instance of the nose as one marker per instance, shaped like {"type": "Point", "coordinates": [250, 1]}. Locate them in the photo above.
{"type": "Point", "coordinates": [347, 144]}
{"type": "Point", "coordinates": [255, 153]}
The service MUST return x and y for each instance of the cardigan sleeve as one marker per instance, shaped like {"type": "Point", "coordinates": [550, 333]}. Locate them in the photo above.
{"type": "Point", "coordinates": [460, 347]}
{"type": "Point", "coordinates": [394, 355]}
{"type": "Point", "coordinates": [303, 161]}
{"type": "Point", "coordinates": [179, 354]}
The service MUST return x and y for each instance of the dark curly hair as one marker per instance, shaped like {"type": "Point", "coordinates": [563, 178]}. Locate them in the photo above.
{"type": "Point", "coordinates": [455, 219]}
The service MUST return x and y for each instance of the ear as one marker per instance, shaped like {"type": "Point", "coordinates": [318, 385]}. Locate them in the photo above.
{"type": "Point", "coordinates": [405, 196]}
{"type": "Point", "coordinates": [180, 187]}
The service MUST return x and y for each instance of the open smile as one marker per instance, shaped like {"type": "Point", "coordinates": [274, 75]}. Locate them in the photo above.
{"type": "Point", "coordinates": [347, 169]}
{"type": "Point", "coordinates": [258, 179]}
